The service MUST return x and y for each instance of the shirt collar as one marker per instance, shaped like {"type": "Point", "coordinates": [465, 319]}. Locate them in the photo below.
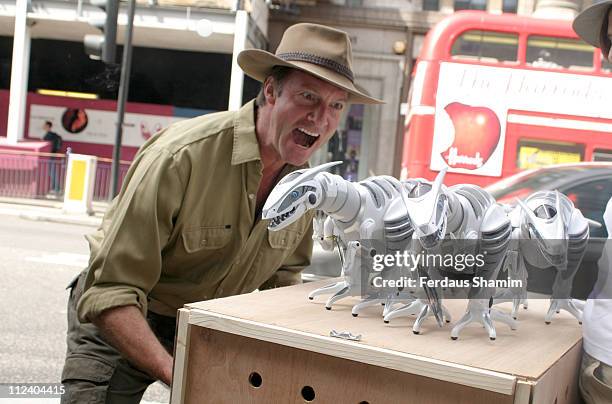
{"type": "Point", "coordinates": [245, 147]}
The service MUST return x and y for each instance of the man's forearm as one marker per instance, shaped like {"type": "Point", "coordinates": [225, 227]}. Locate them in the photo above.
{"type": "Point", "coordinates": [127, 330]}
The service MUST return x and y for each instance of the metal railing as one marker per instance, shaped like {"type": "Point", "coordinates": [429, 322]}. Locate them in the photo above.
{"type": "Point", "coordinates": [43, 175]}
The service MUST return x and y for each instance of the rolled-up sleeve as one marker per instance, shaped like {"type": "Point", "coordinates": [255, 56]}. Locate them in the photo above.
{"type": "Point", "coordinates": [126, 253]}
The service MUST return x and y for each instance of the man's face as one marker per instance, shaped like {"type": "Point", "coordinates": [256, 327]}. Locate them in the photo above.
{"type": "Point", "coordinates": [302, 117]}
{"type": "Point", "coordinates": [46, 127]}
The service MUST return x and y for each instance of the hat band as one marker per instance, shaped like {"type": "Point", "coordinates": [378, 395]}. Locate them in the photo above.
{"type": "Point", "coordinates": [318, 60]}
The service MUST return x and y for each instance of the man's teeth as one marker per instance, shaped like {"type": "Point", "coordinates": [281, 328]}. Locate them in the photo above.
{"type": "Point", "coordinates": [313, 134]}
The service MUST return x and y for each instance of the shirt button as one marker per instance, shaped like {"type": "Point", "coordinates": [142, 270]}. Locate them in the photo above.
{"type": "Point", "coordinates": [251, 196]}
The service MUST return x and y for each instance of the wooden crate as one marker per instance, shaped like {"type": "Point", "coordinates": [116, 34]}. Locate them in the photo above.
{"type": "Point", "coordinates": [279, 341]}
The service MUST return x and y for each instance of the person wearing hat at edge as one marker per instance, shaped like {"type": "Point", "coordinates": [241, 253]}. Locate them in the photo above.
{"type": "Point", "coordinates": [186, 225]}
{"type": "Point", "coordinates": [594, 26]}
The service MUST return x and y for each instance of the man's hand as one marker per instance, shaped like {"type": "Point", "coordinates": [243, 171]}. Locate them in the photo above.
{"type": "Point", "coordinates": [127, 330]}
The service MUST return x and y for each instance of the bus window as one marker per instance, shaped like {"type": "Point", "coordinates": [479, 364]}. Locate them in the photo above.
{"type": "Point", "coordinates": [509, 6]}
{"type": "Point", "coordinates": [486, 46]}
{"type": "Point", "coordinates": [554, 52]}
{"type": "Point", "coordinates": [602, 155]}
{"type": "Point", "coordinates": [534, 154]}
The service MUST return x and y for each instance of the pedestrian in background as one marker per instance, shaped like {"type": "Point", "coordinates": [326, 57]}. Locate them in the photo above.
{"type": "Point", "coordinates": [594, 25]}
{"type": "Point", "coordinates": [56, 147]}
{"type": "Point", "coordinates": [187, 225]}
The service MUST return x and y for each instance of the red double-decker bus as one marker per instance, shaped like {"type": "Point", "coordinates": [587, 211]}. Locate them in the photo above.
{"type": "Point", "coordinates": [495, 94]}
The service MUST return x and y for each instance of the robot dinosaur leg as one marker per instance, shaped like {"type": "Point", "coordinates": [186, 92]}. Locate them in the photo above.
{"type": "Point", "coordinates": [478, 311]}
{"type": "Point", "coordinates": [327, 289]}
{"type": "Point", "coordinates": [351, 274]}
{"type": "Point", "coordinates": [345, 291]}
{"type": "Point", "coordinates": [363, 304]}
{"type": "Point", "coordinates": [516, 270]}
{"type": "Point", "coordinates": [409, 309]}
{"type": "Point", "coordinates": [561, 299]}
{"type": "Point", "coordinates": [497, 315]}
{"type": "Point", "coordinates": [572, 306]}
{"type": "Point", "coordinates": [387, 301]}
{"type": "Point", "coordinates": [579, 304]}
{"type": "Point", "coordinates": [414, 308]}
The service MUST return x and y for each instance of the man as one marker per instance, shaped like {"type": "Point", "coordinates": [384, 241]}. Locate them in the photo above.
{"type": "Point", "coordinates": [56, 147]}
{"type": "Point", "coordinates": [186, 225]}
{"type": "Point", "coordinates": [594, 25]}
{"type": "Point", "coordinates": [54, 138]}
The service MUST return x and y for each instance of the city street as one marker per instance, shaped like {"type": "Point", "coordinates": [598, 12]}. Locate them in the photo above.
{"type": "Point", "coordinates": [38, 260]}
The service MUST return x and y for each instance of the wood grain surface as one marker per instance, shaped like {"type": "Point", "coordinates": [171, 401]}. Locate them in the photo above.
{"type": "Point", "coordinates": [284, 316]}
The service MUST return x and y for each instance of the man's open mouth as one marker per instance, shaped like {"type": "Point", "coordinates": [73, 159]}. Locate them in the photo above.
{"type": "Point", "coordinates": [304, 138]}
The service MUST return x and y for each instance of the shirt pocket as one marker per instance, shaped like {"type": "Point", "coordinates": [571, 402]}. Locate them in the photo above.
{"type": "Point", "coordinates": [206, 238]}
{"type": "Point", "coordinates": [283, 239]}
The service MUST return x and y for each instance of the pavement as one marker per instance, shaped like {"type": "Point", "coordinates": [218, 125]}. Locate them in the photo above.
{"type": "Point", "coordinates": [50, 210]}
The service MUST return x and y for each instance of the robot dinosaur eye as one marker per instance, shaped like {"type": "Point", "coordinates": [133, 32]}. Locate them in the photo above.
{"type": "Point", "coordinates": [545, 212]}
{"type": "Point", "coordinates": [295, 194]}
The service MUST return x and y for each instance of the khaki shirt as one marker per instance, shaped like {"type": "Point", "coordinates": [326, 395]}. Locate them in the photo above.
{"type": "Point", "coordinates": [183, 228]}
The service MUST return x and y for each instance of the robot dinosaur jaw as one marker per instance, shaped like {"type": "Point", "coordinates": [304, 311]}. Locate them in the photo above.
{"type": "Point", "coordinates": [281, 221]}
{"type": "Point", "coordinates": [296, 193]}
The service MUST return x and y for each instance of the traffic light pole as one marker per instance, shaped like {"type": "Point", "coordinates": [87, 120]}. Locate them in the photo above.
{"type": "Point", "coordinates": [124, 85]}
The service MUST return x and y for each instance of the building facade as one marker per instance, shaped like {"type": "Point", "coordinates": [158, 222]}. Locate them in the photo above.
{"type": "Point", "coordinates": [184, 63]}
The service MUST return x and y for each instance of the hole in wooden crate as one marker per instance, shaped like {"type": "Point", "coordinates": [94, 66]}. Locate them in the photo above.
{"type": "Point", "coordinates": [255, 379]}
{"type": "Point", "coordinates": [363, 402]}
{"type": "Point", "coordinates": [308, 393]}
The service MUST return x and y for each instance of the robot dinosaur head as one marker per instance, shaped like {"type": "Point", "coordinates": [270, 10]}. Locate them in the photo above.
{"type": "Point", "coordinates": [296, 193]}
{"type": "Point", "coordinates": [544, 221]}
{"type": "Point", "coordinates": [427, 205]}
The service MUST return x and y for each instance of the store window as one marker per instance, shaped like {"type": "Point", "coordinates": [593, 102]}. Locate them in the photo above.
{"type": "Point", "coordinates": [431, 5]}
{"type": "Point", "coordinates": [6, 52]}
{"type": "Point", "coordinates": [537, 153]}
{"type": "Point", "coordinates": [348, 144]}
{"type": "Point", "coordinates": [489, 46]}
{"type": "Point", "coordinates": [557, 53]}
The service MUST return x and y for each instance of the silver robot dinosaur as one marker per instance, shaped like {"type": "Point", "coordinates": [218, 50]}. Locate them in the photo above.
{"type": "Point", "coordinates": [443, 220]}
{"type": "Point", "coordinates": [355, 213]}
{"type": "Point", "coordinates": [548, 231]}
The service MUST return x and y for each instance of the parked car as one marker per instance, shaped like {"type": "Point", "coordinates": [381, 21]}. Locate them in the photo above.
{"type": "Point", "coordinates": [589, 186]}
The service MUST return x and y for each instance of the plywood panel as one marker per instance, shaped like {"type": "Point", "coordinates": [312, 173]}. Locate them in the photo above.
{"type": "Point", "coordinates": [220, 365]}
{"type": "Point", "coordinates": [405, 362]}
{"type": "Point", "coordinates": [560, 384]}
{"type": "Point", "coordinates": [527, 352]}
{"type": "Point", "coordinates": [181, 356]}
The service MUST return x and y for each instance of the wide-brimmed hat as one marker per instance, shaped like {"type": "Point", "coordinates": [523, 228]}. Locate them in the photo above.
{"type": "Point", "coordinates": [318, 50]}
{"type": "Point", "coordinates": [588, 23]}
